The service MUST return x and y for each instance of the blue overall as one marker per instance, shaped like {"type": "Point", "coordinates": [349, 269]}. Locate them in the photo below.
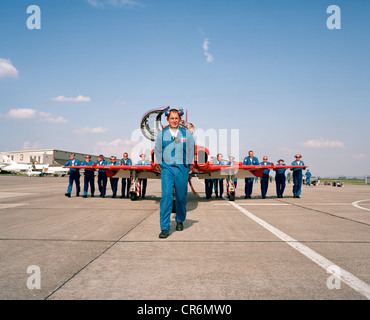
{"type": "Point", "coordinates": [208, 187]}
{"type": "Point", "coordinates": [280, 181]}
{"type": "Point", "coordinates": [174, 155]}
{"type": "Point", "coordinates": [249, 181]}
{"type": "Point", "coordinates": [265, 179]}
{"type": "Point", "coordinates": [297, 178]}
{"type": "Point", "coordinates": [126, 182]}
{"type": "Point", "coordinates": [102, 178]}
{"type": "Point", "coordinates": [113, 181]}
{"type": "Point", "coordinates": [143, 182]}
{"type": "Point", "coordinates": [74, 176]}
{"type": "Point", "coordinates": [308, 178]}
{"type": "Point", "coordinates": [88, 178]}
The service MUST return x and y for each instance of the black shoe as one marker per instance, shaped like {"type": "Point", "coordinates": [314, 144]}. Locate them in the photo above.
{"type": "Point", "coordinates": [92, 196]}
{"type": "Point", "coordinates": [179, 226]}
{"type": "Point", "coordinates": [263, 197]}
{"type": "Point", "coordinates": [298, 197]}
{"type": "Point", "coordinates": [67, 195]}
{"type": "Point", "coordinates": [246, 197]}
{"type": "Point", "coordinates": [77, 195]}
{"type": "Point", "coordinates": [123, 196]}
{"type": "Point", "coordinates": [164, 234]}
{"type": "Point", "coordinates": [114, 196]}
{"type": "Point", "coordinates": [84, 196]}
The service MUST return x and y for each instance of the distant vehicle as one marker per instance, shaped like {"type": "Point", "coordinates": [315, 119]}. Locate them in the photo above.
{"type": "Point", "coordinates": [57, 171]}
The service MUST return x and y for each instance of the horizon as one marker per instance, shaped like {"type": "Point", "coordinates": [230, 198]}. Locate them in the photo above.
{"type": "Point", "coordinates": [275, 76]}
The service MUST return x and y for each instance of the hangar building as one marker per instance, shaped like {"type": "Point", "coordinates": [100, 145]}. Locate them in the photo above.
{"type": "Point", "coordinates": [50, 156]}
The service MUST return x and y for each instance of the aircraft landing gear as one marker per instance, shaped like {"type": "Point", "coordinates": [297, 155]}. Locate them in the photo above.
{"type": "Point", "coordinates": [230, 187]}
{"type": "Point", "coordinates": [135, 186]}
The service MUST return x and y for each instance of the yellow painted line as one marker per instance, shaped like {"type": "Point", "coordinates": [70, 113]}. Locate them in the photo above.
{"type": "Point", "coordinates": [32, 188]}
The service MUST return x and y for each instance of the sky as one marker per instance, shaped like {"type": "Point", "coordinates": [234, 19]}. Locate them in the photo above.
{"type": "Point", "coordinates": [270, 76]}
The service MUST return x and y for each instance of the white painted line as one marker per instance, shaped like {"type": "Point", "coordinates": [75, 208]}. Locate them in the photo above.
{"type": "Point", "coordinates": [264, 204]}
{"type": "Point", "coordinates": [356, 204]}
{"type": "Point", "coordinates": [341, 274]}
{"type": "Point", "coordinates": [10, 205]}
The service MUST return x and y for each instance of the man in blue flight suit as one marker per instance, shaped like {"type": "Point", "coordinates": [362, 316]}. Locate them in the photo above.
{"type": "Point", "coordinates": [126, 182]}
{"type": "Point", "coordinates": [113, 181]}
{"type": "Point", "coordinates": [88, 177]}
{"type": "Point", "coordinates": [74, 175]}
{"type": "Point", "coordinates": [144, 182]}
{"type": "Point", "coordinates": [297, 176]}
{"type": "Point", "coordinates": [249, 161]}
{"type": "Point", "coordinates": [308, 177]}
{"type": "Point", "coordinates": [208, 187]}
{"type": "Point", "coordinates": [102, 176]}
{"type": "Point", "coordinates": [265, 177]}
{"type": "Point", "coordinates": [218, 161]}
{"type": "Point", "coordinates": [174, 151]}
{"type": "Point", "coordinates": [280, 179]}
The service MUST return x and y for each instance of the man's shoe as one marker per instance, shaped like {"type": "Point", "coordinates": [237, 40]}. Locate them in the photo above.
{"type": "Point", "coordinates": [67, 195]}
{"type": "Point", "coordinates": [164, 234]}
{"type": "Point", "coordinates": [179, 226]}
{"type": "Point", "coordinates": [84, 196]}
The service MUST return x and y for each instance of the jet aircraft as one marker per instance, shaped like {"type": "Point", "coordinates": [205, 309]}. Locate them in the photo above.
{"type": "Point", "coordinates": [150, 125]}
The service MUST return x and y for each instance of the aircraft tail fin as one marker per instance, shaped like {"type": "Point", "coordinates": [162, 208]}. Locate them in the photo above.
{"type": "Point", "coordinates": [7, 160]}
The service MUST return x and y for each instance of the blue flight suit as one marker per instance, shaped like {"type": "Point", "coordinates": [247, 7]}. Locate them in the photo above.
{"type": "Point", "coordinates": [102, 178]}
{"type": "Point", "coordinates": [265, 180]}
{"type": "Point", "coordinates": [297, 178]}
{"type": "Point", "coordinates": [220, 181]}
{"type": "Point", "coordinates": [249, 181]}
{"type": "Point", "coordinates": [208, 186]}
{"type": "Point", "coordinates": [174, 155]}
{"type": "Point", "coordinates": [113, 181]}
{"type": "Point", "coordinates": [308, 178]}
{"type": "Point", "coordinates": [89, 178]}
{"type": "Point", "coordinates": [280, 182]}
{"type": "Point", "coordinates": [126, 182]}
{"type": "Point", "coordinates": [144, 182]}
{"type": "Point", "coordinates": [74, 175]}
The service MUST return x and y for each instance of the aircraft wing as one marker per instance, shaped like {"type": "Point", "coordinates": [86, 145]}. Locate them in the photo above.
{"type": "Point", "coordinates": [238, 170]}
{"type": "Point", "coordinates": [121, 171]}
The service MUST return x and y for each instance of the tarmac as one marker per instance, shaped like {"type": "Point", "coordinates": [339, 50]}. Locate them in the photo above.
{"type": "Point", "coordinates": [57, 248]}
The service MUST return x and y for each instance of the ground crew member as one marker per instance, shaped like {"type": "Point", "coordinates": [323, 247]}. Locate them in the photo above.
{"type": "Point", "coordinates": [248, 161]}
{"type": "Point", "coordinates": [113, 181]}
{"type": "Point", "coordinates": [218, 161]}
{"type": "Point", "coordinates": [208, 186]}
{"type": "Point", "coordinates": [308, 177]}
{"type": "Point", "coordinates": [126, 182]}
{"type": "Point", "coordinates": [102, 176]}
{"type": "Point", "coordinates": [265, 177]}
{"type": "Point", "coordinates": [74, 175]}
{"type": "Point", "coordinates": [280, 179]}
{"type": "Point", "coordinates": [297, 176]}
{"type": "Point", "coordinates": [174, 151]}
{"type": "Point", "coordinates": [144, 182]}
{"type": "Point", "coordinates": [88, 177]}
